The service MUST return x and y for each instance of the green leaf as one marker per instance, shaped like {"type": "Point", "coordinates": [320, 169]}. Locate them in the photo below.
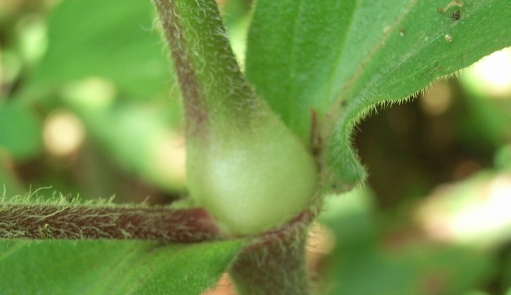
{"type": "Point", "coordinates": [112, 39]}
{"type": "Point", "coordinates": [20, 131]}
{"type": "Point", "coordinates": [111, 267]}
{"type": "Point", "coordinates": [343, 57]}
{"type": "Point", "coordinates": [306, 38]}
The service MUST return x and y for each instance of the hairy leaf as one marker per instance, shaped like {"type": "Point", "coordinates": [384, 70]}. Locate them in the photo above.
{"type": "Point", "coordinates": [111, 267]}
{"type": "Point", "coordinates": [343, 57]}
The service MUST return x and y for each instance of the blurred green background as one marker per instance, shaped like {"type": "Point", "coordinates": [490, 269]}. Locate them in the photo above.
{"type": "Point", "coordinates": [89, 106]}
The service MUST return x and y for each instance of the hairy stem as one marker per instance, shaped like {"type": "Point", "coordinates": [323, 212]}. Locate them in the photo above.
{"type": "Point", "coordinates": [212, 85]}
{"type": "Point", "coordinates": [77, 222]}
{"type": "Point", "coordinates": [274, 262]}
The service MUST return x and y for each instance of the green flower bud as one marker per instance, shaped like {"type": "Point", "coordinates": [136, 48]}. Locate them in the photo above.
{"type": "Point", "coordinates": [251, 179]}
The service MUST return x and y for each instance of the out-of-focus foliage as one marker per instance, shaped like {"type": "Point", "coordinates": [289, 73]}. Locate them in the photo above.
{"type": "Point", "coordinates": [20, 131]}
{"type": "Point", "coordinates": [106, 39]}
{"type": "Point", "coordinates": [448, 243]}
{"type": "Point", "coordinates": [110, 75]}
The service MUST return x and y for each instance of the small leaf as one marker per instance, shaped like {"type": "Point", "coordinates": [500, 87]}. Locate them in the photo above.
{"type": "Point", "coordinates": [342, 58]}
{"type": "Point", "coordinates": [111, 39]}
{"type": "Point", "coordinates": [112, 267]}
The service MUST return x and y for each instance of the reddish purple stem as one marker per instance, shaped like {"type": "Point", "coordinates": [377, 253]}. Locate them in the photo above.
{"type": "Point", "coordinates": [72, 222]}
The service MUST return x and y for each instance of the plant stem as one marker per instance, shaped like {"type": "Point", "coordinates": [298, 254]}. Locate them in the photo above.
{"type": "Point", "coordinates": [274, 262]}
{"type": "Point", "coordinates": [212, 85]}
{"type": "Point", "coordinates": [78, 222]}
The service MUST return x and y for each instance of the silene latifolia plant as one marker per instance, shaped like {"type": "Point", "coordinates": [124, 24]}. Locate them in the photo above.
{"type": "Point", "coordinates": [264, 145]}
